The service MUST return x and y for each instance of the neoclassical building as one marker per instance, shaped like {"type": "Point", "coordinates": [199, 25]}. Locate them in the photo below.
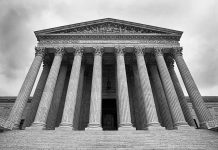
{"type": "Point", "coordinates": [108, 74]}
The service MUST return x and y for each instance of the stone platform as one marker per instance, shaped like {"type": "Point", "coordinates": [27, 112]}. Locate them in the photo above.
{"type": "Point", "coordinates": [161, 139]}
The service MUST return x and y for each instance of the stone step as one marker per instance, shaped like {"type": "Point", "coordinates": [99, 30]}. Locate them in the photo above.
{"type": "Point", "coordinates": [166, 139]}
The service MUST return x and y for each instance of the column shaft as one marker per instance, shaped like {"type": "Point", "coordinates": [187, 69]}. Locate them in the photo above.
{"type": "Point", "coordinates": [22, 98]}
{"type": "Point", "coordinates": [122, 89]}
{"type": "Point", "coordinates": [181, 96]}
{"type": "Point", "coordinates": [52, 115]}
{"type": "Point", "coordinates": [70, 103]}
{"type": "Point", "coordinates": [203, 114]}
{"type": "Point", "coordinates": [148, 99]}
{"type": "Point", "coordinates": [44, 105]}
{"type": "Point", "coordinates": [96, 92]}
{"type": "Point", "coordinates": [80, 93]}
{"type": "Point", "coordinates": [37, 96]}
{"type": "Point", "coordinates": [140, 109]}
{"type": "Point", "coordinates": [161, 98]}
{"type": "Point", "coordinates": [175, 108]}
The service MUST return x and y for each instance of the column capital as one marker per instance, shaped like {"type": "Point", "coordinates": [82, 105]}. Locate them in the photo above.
{"type": "Point", "coordinates": [78, 50]}
{"type": "Point", "coordinates": [98, 50]}
{"type": "Point", "coordinates": [158, 51]}
{"type": "Point", "coordinates": [169, 61]}
{"type": "Point", "coordinates": [59, 51]}
{"type": "Point", "coordinates": [46, 63]}
{"type": "Point", "coordinates": [119, 50]}
{"type": "Point", "coordinates": [40, 51]}
{"type": "Point", "coordinates": [139, 50]}
{"type": "Point", "coordinates": [177, 51]}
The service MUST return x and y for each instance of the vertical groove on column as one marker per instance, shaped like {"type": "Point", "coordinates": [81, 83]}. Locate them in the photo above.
{"type": "Point", "coordinates": [96, 92]}
{"type": "Point", "coordinates": [44, 105]}
{"type": "Point", "coordinates": [37, 96]}
{"type": "Point", "coordinates": [180, 94]}
{"type": "Point", "coordinates": [131, 99]}
{"type": "Point", "coordinates": [20, 103]}
{"type": "Point", "coordinates": [70, 103]}
{"type": "Point", "coordinates": [123, 96]}
{"type": "Point", "coordinates": [176, 111]}
{"type": "Point", "coordinates": [63, 97]}
{"type": "Point", "coordinates": [161, 98]}
{"type": "Point", "coordinates": [142, 120]}
{"type": "Point", "coordinates": [194, 94]}
{"type": "Point", "coordinates": [52, 115]}
{"type": "Point", "coordinates": [79, 99]}
{"type": "Point", "coordinates": [148, 99]}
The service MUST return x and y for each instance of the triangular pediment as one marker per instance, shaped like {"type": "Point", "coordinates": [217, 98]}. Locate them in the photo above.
{"type": "Point", "coordinates": [108, 26]}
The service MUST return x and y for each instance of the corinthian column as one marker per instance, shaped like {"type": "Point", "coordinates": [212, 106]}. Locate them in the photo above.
{"type": "Point", "coordinates": [37, 95]}
{"type": "Point", "coordinates": [70, 103]}
{"type": "Point", "coordinates": [183, 102]}
{"type": "Point", "coordinates": [44, 105]}
{"type": "Point", "coordinates": [148, 99]}
{"type": "Point", "coordinates": [20, 103]}
{"type": "Point", "coordinates": [161, 98]}
{"type": "Point", "coordinates": [175, 108]}
{"type": "Point", "coordinates": [205, 118]}
{"type": "Point", "coordinates": [96, 92]}
{"type": "Point", "coordinates": [53, 111]}
{"type": "Point", "coordinates": [122, 89]}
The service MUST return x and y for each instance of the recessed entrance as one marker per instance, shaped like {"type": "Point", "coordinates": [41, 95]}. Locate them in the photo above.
{"type": "Point", "coordinates": [109, 114]}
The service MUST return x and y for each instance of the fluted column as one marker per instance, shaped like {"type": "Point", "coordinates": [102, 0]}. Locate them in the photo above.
{"type": "Point", "coordinates": [205, 118]}
{"type": "Point", "coordinates": [96, 92]}
{"type": "Point", "coordinates": [52, 115]}
{"type": "Point", "coordinates": [182, 100]}
{"type": "Point", "coordinates": [175, 108]}
{"type": "Point", "coordinates": [148, 99]}
{"type": "Point", "coordinates": [122, 91]}
{"type": "Point", "coordinates": [44, 105]}
{"type": "Point", "coordinates": [37, 96]}
{"type": "Point", "coordinates": [70, 103]}
{"type": "Point", "coordinates": [140, 110]}
{"type": "Point", "coordinates": [161, 98]}
{"type": "Point", "coordinates": [20, 103]}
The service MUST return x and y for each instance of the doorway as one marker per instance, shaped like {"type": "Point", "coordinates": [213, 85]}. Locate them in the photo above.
{"type": "Point", "coordinates": [109, 114]}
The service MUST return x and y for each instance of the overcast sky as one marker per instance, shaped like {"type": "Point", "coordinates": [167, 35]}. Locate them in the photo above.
{"type": "Point", "coordinates": [197, 18]}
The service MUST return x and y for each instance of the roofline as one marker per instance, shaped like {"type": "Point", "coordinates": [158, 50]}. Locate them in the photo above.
{"type": "Point", "coordinates": [108, 20]}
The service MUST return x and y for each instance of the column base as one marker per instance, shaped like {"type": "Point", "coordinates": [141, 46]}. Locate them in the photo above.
{"type": "Point", "coordinates": [128, 127]}
{"type": "Point", "coordinates": [6, 125]}
{"type": "Point", "coordinates": [184, 127]}
{"type": "Point", "coordinates": [36, 126]}
{"type": "Point", "coordinates": [65, 127]}
{"type": "Point", "coordinates": [155, 127]}
{"type": "Point", "coordinates": [212, 124]}
{"type": "Point", "coordinates": [94, 127]}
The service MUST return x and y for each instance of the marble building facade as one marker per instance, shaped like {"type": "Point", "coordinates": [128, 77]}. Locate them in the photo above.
{"type": "Point", "coordinates": [108, 74]}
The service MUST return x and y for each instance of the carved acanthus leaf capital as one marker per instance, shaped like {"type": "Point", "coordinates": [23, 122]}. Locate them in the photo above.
{"type": "Point", "coordinates": [78, 50]}
{"type": "Point", "coordinates": [139, 50]}
{"type": "Point", "coordinates": [119, 49]}
{"type": "Point", "coordinates": [99, 50]}
{"type": "Point", "coordinates": [59, 51]}
{"type": "Point", "coordinates": [158, 51]}
{"type": "Point", "coordinates": [40, 51]}
{"type": "Point", "coordinates": [169, 61]}
{"type": "Point", "coordinates": [177, 51]}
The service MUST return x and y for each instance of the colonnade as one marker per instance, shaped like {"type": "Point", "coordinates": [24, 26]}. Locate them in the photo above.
{"type": "Point", "coordinates": [170, 97]}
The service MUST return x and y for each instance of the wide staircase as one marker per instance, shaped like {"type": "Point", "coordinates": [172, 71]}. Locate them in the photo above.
{"type": "Point", "coordinates": [154, 139]}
